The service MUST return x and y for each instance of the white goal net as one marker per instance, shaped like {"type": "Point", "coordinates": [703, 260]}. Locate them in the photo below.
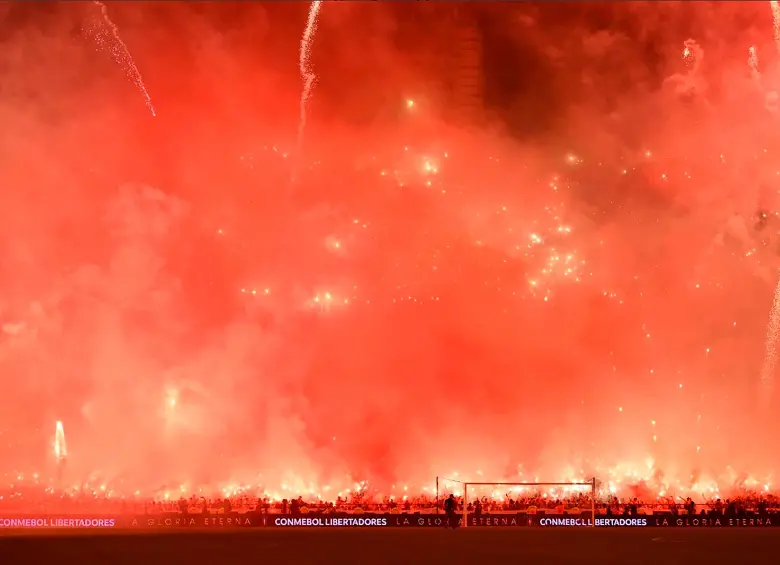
{"type": "Point", "coordinates": [496, 498]}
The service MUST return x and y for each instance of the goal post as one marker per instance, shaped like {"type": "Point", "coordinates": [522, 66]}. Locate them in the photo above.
{"type": "Point", "coordinates": [591, 483]}
{"type": "Point", "coordinates": [457, 483]}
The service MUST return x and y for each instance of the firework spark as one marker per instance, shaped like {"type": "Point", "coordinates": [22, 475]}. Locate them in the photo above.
{"type": "Point", "coordinates": [692, 55]}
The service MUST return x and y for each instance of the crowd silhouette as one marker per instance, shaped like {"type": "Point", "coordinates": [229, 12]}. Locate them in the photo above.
{"type": "Point", "coordinates": [36, 501]}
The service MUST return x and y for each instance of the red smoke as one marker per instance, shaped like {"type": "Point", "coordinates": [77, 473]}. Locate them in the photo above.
{"type": "Point", "coordinates": [425, 298]}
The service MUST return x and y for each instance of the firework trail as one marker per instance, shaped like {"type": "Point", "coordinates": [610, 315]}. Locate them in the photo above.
{"type": "Point", "coordinates": [304, 65]}
{"type": "Point", "coordinates": [753, 59]}
{"type": "Point", "coordinates": [772, 334]}
{"type": "Point", "coordinates": [773, 328]}
{"type": "Point", "coordinates": [60, 449]}
{"type": "Point", "coordinates": [775, 6]}
{"type": "Point", "coordinates": [120, 53]}
{"type": "Point", "coordinates": [753, 64]}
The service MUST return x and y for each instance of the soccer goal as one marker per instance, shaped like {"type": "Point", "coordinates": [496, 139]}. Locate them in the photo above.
{"type": "Point", "coordinates": [499, 490]}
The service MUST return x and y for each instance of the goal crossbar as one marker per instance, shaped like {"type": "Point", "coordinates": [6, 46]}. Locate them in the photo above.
{"type": "Point", "coordinates": [591, 483]}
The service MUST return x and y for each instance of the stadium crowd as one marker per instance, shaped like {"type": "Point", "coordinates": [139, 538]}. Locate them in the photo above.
{"type": "Point", "coordinates": [47, 502]}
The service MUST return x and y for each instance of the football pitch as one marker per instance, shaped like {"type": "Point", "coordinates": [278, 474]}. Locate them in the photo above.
{"type": "Point", "coordinates": [393, 546]}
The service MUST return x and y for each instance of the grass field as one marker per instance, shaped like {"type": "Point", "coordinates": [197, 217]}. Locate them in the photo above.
{"type": "Point", "coordinates": [392, 546]}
